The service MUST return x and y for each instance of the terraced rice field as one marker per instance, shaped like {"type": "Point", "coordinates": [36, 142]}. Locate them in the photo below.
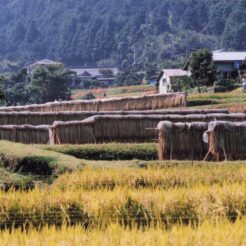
{"type": "Point", "coordinates": [124, 202]}
{"type": "Point", "coordinates": [97, 197]}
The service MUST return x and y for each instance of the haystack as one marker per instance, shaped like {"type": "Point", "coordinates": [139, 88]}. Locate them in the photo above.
{"type": "Point", "coordinates": [72, 132]}
{"type": "Point", "coordinates": [227, 140]}
{"type": "Point", "coordinates": [149, 102]}
{"type": "Point", "coordinates": [27, 134]}
{"type": "Point", "coordinates": [181, 141]}
{"type": "Point", "coordinates": [47, 118]}
{"type": "Point", "coordinates": [110, 128]}
{"type": "Point", "coordinates": [121, 128]}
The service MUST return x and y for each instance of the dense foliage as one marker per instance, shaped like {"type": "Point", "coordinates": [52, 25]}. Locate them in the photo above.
{"type": "Point", "coordinates": [45, 84]}
{"type": "Point", "coordinates": [130, 33]}
{"type": "Point", "coordinates": [203, 71]}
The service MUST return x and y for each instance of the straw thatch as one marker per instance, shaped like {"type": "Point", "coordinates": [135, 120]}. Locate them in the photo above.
{"type": "Point", "coordinates": [123, 128]}
{"type": "Point", "coordinates": [73, 132]}
{"type": "Point", "coordinates": [181, 141]}
{"type": "Point", "coordinates": [47, 118]}
{"type": "Point", "coordinates": [227, 140]}
{"type": "Point", "coordinates": [99, 128]}
{"type": "Point", "coordinates": [25, 134]}
{"type": "Point", "coordinates": [127, 128]}
{"type": "Point", "coordinates": [149, 102]}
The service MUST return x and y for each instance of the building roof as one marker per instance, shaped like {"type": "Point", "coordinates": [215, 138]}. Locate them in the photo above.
{"type": "Point", "coordinates": [175, 72]}
{"type": "Point", "coordinates": [93, 71]}
{"type": "Point", "coordinates": [45, 62]}
{"type": "Point", "coordinates": [229, 56]}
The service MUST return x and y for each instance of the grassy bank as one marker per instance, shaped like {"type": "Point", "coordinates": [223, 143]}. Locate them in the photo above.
{"type": "Point", "coordinates": [28, 159]}
{"type": "Point", "coordinates": [10, 180]}
{"type": "Point", "coordinates": [113, 151]}
{"type": "Point", "coordinates": [234, 101]}
{"type": "Point", "coordinates": [120, 91]}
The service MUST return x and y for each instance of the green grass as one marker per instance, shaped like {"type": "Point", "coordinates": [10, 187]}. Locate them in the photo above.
{"type": "Point", "coordinates": [109, 152]}
{"type": "Point", "coordinates": [10, 180]}
{"type": "Point", "coordinates": [115, 91]}
{"type": "Point", "coordinates": [20, 158]}
{"type": "Point", "coordinates": [235, 99]}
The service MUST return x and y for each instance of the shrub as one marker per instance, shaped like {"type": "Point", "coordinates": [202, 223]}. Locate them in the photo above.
{"type": "Point", "coordinates": [225, 85]}
{"type": "Point", "coordinates": [89, 96]}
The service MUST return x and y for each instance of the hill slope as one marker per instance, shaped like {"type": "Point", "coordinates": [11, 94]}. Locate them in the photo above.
{"type": "Point", "coordinates": [101, 32]}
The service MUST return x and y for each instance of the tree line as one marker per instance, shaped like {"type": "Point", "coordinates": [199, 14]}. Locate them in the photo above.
{"type": "Point", "coordinates": [139, 35]}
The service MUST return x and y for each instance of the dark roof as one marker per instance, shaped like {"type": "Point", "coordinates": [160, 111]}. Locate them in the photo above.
{"type": "Point", "coordinates": [93, 71]}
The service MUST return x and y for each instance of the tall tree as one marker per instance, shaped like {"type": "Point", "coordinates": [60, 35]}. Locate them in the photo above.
{"type": "Point", "coordinates": [15, 88]}
{"type": "Point", "coordinates": [203, 71]}
{"type": "Point", "coordinates": [49, 83]}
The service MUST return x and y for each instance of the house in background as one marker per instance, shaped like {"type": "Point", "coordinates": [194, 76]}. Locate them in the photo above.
{"type": "Point", "coordinates": [41, 63]}
{"type": "Point", "coordinates": [227, 63]}
{"type": "Point", "coordinates": [167, 77]}
{"type": "Point", "coordinates": [103, 74]}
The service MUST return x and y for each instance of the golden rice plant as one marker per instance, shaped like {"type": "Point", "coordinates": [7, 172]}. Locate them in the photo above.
{"type": "Point", "coordinates": [154, 178]}
{"type": "Point", "coordinates": [209, 234]}
{"type": "Point", "coordinates": [128, 207]}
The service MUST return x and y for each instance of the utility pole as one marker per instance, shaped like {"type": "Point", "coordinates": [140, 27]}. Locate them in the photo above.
{"type": "Point", "coordinates": [29, 64]}
{"type": "Point", "coordinates": [186, 44]}
{"type": "Point", "coordinates": [134, 61]}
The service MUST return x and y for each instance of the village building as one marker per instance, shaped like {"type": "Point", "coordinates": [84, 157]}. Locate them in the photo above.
{"type": "Point", "coordinates": [228, 63]}
{"type": "Point", "coordinates": [167, 77]}
{"type": "Point", "coordinates": [41, 63]}
{"type": "Point", "coordinates": [107, 74]}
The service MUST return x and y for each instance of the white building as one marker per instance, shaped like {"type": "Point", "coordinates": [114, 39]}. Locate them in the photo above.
{"type": "Point", "coordinates": [167, 76]}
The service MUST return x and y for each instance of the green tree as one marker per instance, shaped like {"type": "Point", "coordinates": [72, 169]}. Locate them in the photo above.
{"type": "Point", "coordinates": [203, 71]}
{"type": "Point", "coordinates": [15, 88]}
{"type": "Point", "coordinates": [49, 83]}
{"type": "Point", "coordinates": [139, 32]}
{"type": "Point", "coordinates": [182, 84]}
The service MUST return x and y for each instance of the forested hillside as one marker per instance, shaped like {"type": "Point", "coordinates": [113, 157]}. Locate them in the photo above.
{"type": "Point", "coordinates": [145, 33]}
